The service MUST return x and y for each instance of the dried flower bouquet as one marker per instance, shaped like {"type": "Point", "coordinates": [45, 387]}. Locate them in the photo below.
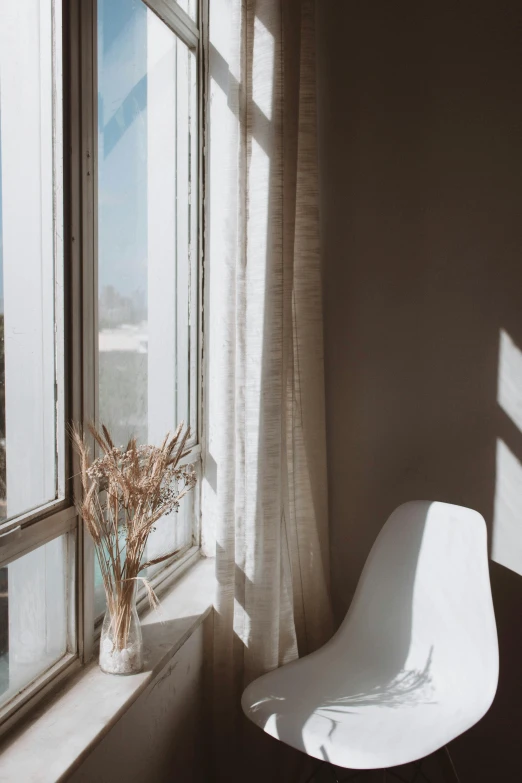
{"type": "Point", "coordinates": [126, 491]}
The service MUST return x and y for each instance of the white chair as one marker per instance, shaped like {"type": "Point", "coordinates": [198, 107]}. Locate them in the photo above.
{"type": "Point", "coordinates": [415, 662]}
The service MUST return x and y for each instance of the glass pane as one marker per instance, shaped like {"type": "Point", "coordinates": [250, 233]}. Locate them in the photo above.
{"type": "Point", "coordinates": [147, 260]}
{"type": "Point", "coordinates": [33, 615]}
{"type": "Point", "coordinates": [174, 532]}
{"type": "Point", "coordinates": [190, 7]}
{"type": "Point", "coordinates": [31, 337]}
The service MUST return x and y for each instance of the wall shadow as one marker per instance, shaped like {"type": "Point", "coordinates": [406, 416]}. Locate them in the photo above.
{"type": "Point", "coordinates": [160, 634]}
{"type": "Point", "coordinates": [422, 184]}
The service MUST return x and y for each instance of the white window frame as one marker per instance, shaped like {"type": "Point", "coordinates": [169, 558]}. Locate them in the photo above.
{"type": "Point", "coordinates": [28, 531]}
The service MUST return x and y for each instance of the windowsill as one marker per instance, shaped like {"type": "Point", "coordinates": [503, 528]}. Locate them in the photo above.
{"type": "Point", "coordinates": [63, 731]}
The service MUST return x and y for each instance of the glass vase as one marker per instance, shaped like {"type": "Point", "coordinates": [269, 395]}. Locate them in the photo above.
{"type": "Point", "coordinates": [121, 641]}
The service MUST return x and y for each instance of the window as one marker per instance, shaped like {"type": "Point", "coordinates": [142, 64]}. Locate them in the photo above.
{"type": "Point", "coordinates": [99, 293]}
{"type": "Point", "coordinates": [31, 260]}
{"type": "Point", "coordinates": [147, 237]}
{"type": "Point", "coordinates": [36, 557]}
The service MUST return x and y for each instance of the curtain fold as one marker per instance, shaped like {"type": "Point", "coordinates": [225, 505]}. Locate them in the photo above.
{"type": "Point", "coordinates": [268, 428]}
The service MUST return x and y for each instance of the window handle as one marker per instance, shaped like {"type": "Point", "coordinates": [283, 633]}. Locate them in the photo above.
{"type": "Point", "coordinates": [11, 535]}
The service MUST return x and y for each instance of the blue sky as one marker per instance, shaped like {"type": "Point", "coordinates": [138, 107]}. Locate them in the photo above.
{"type": "Point", "coordinates": [122, 129]}
{"type": "Point", "coordinates": [122, 143]}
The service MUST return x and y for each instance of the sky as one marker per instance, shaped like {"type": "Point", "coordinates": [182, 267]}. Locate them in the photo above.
{"type": "Point", "coordinates": [122, 146]}
{"type": "Point", "coordinates": [122, 133]}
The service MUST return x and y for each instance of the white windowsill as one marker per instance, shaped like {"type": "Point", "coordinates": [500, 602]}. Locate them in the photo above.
{"type": "Point", "coordinates": [63, 731]}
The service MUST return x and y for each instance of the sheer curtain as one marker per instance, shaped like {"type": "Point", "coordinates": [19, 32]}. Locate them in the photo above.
{"type": "Point", "coordinates": [266, 435]}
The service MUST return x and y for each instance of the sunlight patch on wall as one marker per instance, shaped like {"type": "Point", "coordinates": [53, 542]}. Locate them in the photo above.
{"type": "Point", "coordinates": [510, 379]}
{"type": "Point", "coordinates": [506, 546]}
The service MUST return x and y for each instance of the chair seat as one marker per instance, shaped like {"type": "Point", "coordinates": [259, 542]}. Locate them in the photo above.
{"type": "Point", "coordinates": [360, 720]}
{"type": "Point", "coordinates": [415, 662]}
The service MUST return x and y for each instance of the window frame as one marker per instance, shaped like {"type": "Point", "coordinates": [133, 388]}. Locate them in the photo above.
{"type": "Point", "coordinates": [28, 531]}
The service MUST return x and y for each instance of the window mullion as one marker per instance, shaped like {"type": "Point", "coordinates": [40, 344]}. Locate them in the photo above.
{"type": "Point", "coordinates": [176, 19]}
{"type": "Point", "coordinates": [90, 280]}
{"type": "Point", "coordinates": [83, 293]}
{"type": "Point", "coordinates": [20, 541]}
{"type": "Point", "coordinates": [201, 220]}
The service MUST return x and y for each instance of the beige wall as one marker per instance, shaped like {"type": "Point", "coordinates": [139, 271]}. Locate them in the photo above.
{"type": "Point", "coordinates": [421, 154]}
{"type": "Point", "coordinates": [163, 736]}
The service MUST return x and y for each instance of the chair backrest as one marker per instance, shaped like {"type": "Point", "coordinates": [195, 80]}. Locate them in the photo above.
{"type": "Point", "coordinates": [422, 612]}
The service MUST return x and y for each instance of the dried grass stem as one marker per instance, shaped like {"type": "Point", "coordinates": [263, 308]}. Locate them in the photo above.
{"type": "Point", "coordinates": [125, 492]}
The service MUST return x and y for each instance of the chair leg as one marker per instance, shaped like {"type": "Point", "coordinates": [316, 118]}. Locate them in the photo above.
{"type": "Point", "coordinates": [353, 775]}
{"type": "Point", "coordinates": [449, 766]}
{"type": "Point", "coordinates": [419, 772]}
{"type": "Point", "coordinates": [449, 771]}
{"type": "Point", "coordinates": [446, 762]}
{"type": "Point", "coordinates": [396, 775]}
{"type": "Point", "coordinates": [315, 771]}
